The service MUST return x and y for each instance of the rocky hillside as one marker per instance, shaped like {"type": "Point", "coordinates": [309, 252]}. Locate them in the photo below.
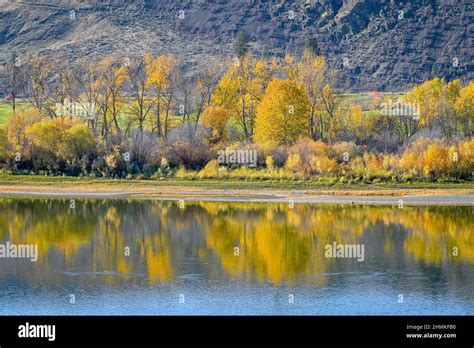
{"type": "Point", "coordinates": [376, 44]}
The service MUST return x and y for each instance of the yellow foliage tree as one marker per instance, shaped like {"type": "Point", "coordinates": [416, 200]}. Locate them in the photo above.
{"type": "Point", "coordinates": [17, 124]}
{"type": "Point", "coordinates": [283, 113]}
{"type": "Point", "coordinates": [109, 84]}
{"type": "Point", "coordinates": [313, 73]}
{"type": "Point", "coordinates": [215, 118]}
{"type": "Point", "coordinates": [427, 96]}
{"type": "Point", "coordinates": [436, 101]}
{"type": "Point", "coordinates": [161, 76]}
{"type": "Point", "coordinates": [241, 89]}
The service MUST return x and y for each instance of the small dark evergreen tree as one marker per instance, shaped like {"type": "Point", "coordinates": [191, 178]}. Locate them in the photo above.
{"type": "Point", "coordinates": [434, 70]}
{"type": "Point", "coordinates": [311, 45]}
{"type": "Point", "coordinates": [241, 45]}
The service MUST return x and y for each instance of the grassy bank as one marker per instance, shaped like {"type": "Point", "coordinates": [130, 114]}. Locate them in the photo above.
{"type": "Point", "coordinates": [78, 182]}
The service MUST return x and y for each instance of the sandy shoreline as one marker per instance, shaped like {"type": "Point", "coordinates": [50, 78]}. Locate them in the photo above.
{"type": "Point", "coordinates": [372, 197]}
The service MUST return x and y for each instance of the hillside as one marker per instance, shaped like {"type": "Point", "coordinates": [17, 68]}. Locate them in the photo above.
{"type": "Point", "coordinates": [377, 45]}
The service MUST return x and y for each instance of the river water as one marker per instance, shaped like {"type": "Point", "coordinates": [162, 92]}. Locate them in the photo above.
{"type": "Point", "coordinates": [152, 257]}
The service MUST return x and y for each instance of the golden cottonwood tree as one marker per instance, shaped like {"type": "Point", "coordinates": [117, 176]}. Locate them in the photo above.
{"type": "Point", "coordinates": [111, 78]}
{"type": "Point", "coordinates": [216, 118]}
{"type": "Point", "coordinates": [242, 88]}
{"type": "Point", "coordinates": [441, 106]}
{"type": "Point", "coordinates": [17, 125]}
{"type": "Point", "coordinates": [311, 72]}
{"type": "Point", "coordinates": [282, 116]}
{"type": "Point", "coordinates": [427, 97]}
{"type": "Point", "coordinates": [161, 74]}
{"type": "Point", "coordinates": [318, 81]}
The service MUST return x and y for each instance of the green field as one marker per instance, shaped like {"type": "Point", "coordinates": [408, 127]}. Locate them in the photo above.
{"type": "Point", "coordinates": [5, 110]}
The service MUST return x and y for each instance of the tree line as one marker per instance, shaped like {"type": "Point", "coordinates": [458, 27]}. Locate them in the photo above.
{"type": "Point", "coordinates": [149, 115]}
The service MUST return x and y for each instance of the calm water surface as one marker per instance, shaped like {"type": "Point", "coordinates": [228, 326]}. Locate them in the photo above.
{"type": "Point", "coordinates": [234, 258]}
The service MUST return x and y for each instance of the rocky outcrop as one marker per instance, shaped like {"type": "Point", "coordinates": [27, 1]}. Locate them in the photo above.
{"type": "Point", "coordinates": [376, 44]}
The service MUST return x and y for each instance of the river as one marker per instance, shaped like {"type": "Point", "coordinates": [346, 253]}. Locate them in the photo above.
{"type": "Point", "coordinates": [155, 257]}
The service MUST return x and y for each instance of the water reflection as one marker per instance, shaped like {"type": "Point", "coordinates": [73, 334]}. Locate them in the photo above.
{"type": "Point", "coordinates": [145, 244]}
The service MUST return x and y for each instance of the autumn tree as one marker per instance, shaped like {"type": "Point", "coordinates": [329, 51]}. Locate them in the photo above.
{"type": "Point", "coordinates": [311, 73]}
{"type": "Point", "coordinates": [141, 100]}
{"type": "Point", "coordinates": [111, 77]}
{"type": "Point", "coordinates": [61, 84]}
{"type": "Point", "coordinates": [354, 124]}
{"type": "Point", "coordinates": [241, 89]}
{"type": "Point", "coordinates": [206, 81]}
{"type": "Point", "coordinates": [449, 120]}
{"type": "Point", "coordinates": [77, 142]}
{"type": "Point", "coordinates": [162, 76]}
{"type": "Point", "coordinates": [391, 124]}
{"type": "Point", "coordinates": [196, 91]}
{"type": "Point", "coordinates": [16, 127]}
{"type": "Point", "coordinates": [319, 83]}
{"type": "Point", "coordinates": [282, 115]}
{"type": "Point", "coordinates": [216, 119]}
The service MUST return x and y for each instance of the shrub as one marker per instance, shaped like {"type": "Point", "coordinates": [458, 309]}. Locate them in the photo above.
{"type": "Point", "coordinates": [338, 150]}
{"type": "Point", "coordinates": [212, 170]}
{"type": "Point", "coordinates": [293, 163]}
{"type": "Point", "coordinates": [279, 156]}
{"type": "Point", "coordinates": [186, 147]}
{"type": "Point", "coordinates": [17, 124]}
{"type": "Point", "coordinates": [306, 149]}
{"type": "Point", "coordinates": [270, 163]}
{"type": "Point", "coordinates": [323, 165]}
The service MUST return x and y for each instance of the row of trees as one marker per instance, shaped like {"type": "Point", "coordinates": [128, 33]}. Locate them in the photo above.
{"type": "Point", "coordinates": [147, 109]}
{"type": "Point", "coordinates": [147, 90]}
